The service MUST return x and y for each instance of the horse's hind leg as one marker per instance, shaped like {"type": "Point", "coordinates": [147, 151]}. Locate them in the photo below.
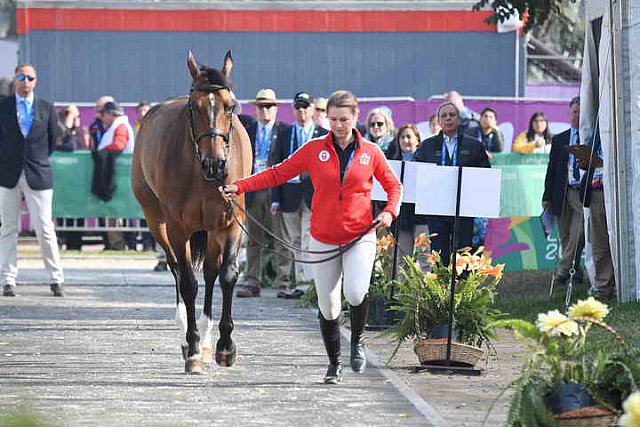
{"type": "Point", "coordinates": [205, 323]}
{"type": "Point", "coordinates": [225, 347]}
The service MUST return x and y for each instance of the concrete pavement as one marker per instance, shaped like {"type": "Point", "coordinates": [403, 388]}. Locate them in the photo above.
{"type": "Point", "coordinates": [108, 354]}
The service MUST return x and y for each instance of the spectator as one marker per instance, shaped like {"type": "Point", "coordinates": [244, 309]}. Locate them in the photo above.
{"type": "Point", "coordinates": [25, 171]}
{"type": "Point", "coordinates": [118, 138]}
{"type": "Point", "coordinates": [72, 135]}
{"type": "Point", "coordinates": [562, 196]}
{"type": "Point", "coordinates": [449, 148]}
{"type": "Point", "coordinates": [488, 133]}
{"type": "Point", "coordinates": [341, 212]}
{"type": "Point", "coordinates": [96, 128]}
{"type": "Point", "coordinates": [263, 133]}
{"type": "Point", "coordinates": [592, 191]}
{"type": "Point", "coordinates": [380, 129]}
{"type": "Point", "coordinates": [6, 87]}
{"type": "Point", "coordinates": [293, 199]}
{"type": "Point", "coordinates": [536, 139]}
{"type": "Point", "coordinates": [434, 125]}
{"type": "Point", "coordinates": [407, 142]}
{"type": "Point", "coordinates": [118, 135]}
{"type": "Point", "coordinates": [142, 109]}
{"type": "Point", "coordinates": [468, 117]}
{"type": "Point", "coordinates": [320, 113]}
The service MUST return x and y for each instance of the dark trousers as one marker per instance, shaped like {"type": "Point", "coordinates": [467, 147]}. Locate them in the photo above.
{"type": "Point", "coordinates": [443, 242]}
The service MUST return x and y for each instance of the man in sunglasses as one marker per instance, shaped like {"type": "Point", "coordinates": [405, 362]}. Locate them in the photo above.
{"type": "Point", "coordinates": [293, 199]}
{"type": "Point", "coordinates": [263, 133]}
{"type": "Point", "coordinates": [28, 132]}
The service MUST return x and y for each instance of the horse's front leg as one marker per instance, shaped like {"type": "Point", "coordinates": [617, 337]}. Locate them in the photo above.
{"type": "Point", "coordinates": [225, 347]}
{"type": "Point", "coordinates": [188, 290]}
{"type": "Point", "coordinates": [205, 323]}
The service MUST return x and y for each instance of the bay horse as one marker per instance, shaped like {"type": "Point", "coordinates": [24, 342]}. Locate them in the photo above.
{"type": "Point", "coordinates": [186, 148]}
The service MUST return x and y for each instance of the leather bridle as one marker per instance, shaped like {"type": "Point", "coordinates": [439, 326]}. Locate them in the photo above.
{"type": "Point", "coordinates": [212, 168]}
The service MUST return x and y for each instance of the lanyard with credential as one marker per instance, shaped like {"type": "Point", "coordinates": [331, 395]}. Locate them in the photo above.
{"type": "Point", "coordinates": [349, 160]}
{"type": "Point", "coordinates": [454, 155]}
{"type": "Point", "coordinates": [303, 139]}
{"type": "Point", "coordinates": [489, 138]}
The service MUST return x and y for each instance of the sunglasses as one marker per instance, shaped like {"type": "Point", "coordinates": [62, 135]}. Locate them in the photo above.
{"type": "Point", "coordinates": [23, 77]}
{"type": "Point", "coordinates": [300, 107]}
{"type": "Point", "coordinates": [267, 106]}
{"type": "Point", "coordinates": [322, 110]}
{"type": "Point", "coordinates": [376, 124]}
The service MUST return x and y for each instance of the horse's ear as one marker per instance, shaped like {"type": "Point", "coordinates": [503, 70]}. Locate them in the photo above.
{"type": "Point", "coordinates": [192, 64]}
{"type": "Point", "coordinates": [228, 64]}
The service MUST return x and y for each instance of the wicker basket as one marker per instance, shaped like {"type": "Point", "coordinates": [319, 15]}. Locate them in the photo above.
{"type": "Point", "coordinates": [591, 416]}
{"type": "Point", "coordinates": [435, 350]}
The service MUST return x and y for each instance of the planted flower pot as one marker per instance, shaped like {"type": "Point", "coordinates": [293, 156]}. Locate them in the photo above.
{"type": "Point", "coordinates": [442, 331]}
{"type": "Point", "coordinates": [568, 397]}
{"type": "Point", "coordinates": [379, 317]}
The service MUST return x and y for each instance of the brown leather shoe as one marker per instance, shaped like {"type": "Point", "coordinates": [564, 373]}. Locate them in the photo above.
{"type": "Point", "coordinates": [249, 292]}
{"type": "Point", "coordinates": [56, 289]}
{"type": "Point", "coordinates": [161, 266]}
{"type": "Point", "coordinates": [9, 291]}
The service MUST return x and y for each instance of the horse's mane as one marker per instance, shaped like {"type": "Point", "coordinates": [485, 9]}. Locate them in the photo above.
{"type": "Point", "coordinates": [215, 77]}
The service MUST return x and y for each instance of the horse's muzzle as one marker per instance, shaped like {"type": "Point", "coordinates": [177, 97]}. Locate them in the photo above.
{"type": "Point", "coordinates": [214, 169]}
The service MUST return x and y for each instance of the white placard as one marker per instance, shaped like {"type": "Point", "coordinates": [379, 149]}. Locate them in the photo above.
{"type": "Point", "coordinates": [377, 192]}
{"type": "Point", "coordinates": [481, 192]}
{"type": "Point", "coordinates": [436, 188]}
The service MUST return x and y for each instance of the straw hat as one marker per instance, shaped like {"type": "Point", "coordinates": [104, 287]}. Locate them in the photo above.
{"type": "Point", "coordinates": [266, 96]}
{"type": "Point", "coordinates": [321, 103]}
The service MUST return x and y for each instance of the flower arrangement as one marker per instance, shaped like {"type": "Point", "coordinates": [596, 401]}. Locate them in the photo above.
{"type": "Point", "coordinates": [569, 375]}
{"type": "Point", "coordinates": [381, 279]}
{"type": "Point", "coordinates": [423, 297]}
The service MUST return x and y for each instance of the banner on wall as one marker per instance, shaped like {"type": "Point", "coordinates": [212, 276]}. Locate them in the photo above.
{"type": "Point", "coordinates": [520, 244]}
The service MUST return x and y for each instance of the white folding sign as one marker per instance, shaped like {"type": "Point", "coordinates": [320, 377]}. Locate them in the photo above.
{"type": "Point", "coordinates": [436, 188]}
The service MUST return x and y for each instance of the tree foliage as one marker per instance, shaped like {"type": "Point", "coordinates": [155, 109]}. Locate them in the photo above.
{"type": "Point", "coordinates": [537, 12]}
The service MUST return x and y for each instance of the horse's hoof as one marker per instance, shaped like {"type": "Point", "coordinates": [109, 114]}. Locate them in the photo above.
{"type": "Point", "coordinates": [185, 352]}
{"type": "Point", "coordinates": [207, 356]}
{"type": "Point", "coordinates": [226, 358]}
{"type": "Point", "coordinates": [193, 366]}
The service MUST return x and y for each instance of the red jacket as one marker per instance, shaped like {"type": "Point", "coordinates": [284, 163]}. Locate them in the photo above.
{"type": "Point", "coordinates": [339, 212]}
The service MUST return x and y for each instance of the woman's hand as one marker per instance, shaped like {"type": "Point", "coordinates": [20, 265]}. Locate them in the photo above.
{"type": "Point", "coordinates": [384, 220]}
{"type": "Point", "coordinates": [228, 191]}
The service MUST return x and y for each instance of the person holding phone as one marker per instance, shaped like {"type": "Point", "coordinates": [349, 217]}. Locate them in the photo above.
{"type": "Point", "coordinates": [562, 196]}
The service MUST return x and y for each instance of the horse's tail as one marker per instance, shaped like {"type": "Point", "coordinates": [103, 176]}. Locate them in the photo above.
{"type": "Point", "coordinates": [198, 242]}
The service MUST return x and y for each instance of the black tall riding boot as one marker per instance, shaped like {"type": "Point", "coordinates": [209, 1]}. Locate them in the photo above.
{"type": "Point", "coordinates": [330, 330]}
{"type": "Point", "coordinates": [358, 320]}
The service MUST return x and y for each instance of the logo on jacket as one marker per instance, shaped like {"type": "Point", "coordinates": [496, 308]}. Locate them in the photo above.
{"type": "Point", "coordinates": [364, 159]}
{"type": "Point", "coordinates": [323, 156]}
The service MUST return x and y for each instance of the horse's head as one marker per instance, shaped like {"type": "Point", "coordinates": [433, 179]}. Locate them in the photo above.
{"type": "Point", "coordinates": [211, 107]}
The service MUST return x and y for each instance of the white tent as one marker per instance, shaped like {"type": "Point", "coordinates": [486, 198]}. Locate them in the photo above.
{"type": "Point", "coordinates": [610, 94]}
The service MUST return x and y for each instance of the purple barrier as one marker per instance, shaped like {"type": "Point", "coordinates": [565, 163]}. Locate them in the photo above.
{"type": "Point", "coordinates": [513, 116]}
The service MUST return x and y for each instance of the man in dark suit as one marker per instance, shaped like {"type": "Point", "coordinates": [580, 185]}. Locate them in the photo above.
{"type": "Point", "coordinates": [562, 196]}
{"type": "Point", "coordinates": [263, 133]}
{"type": "Point", "coordinates": [293, 199]}
{"type": "Point", "coordinates": [451, 147]}
{"type": "Point", "coordinates": [28, 132]}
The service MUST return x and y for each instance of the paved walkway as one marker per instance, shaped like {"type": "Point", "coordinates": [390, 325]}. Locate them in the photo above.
{"type": "Point", "coordinates": [108, 355]}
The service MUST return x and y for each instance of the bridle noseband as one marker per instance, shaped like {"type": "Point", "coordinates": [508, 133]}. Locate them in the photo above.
{"type": "Point", "coordinates": [214, 169]}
